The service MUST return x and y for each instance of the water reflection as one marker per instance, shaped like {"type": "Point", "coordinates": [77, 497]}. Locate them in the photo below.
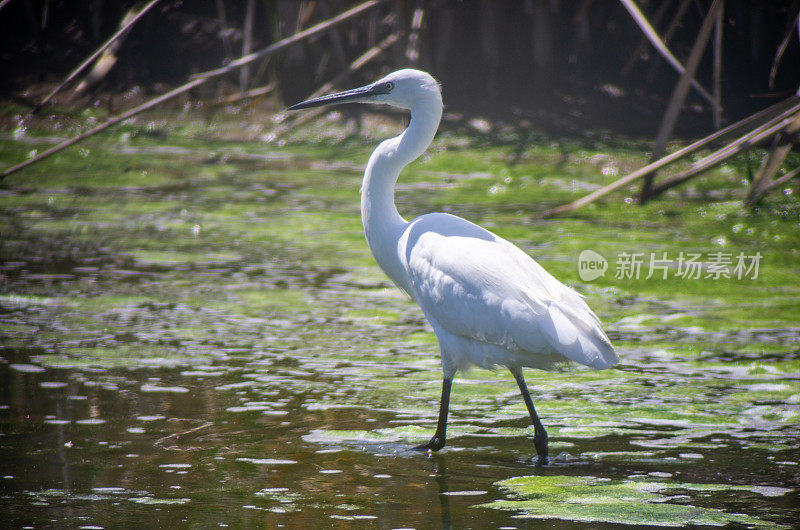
{"type": "Point", "coordinates": [440, 472]}
{"type": "Point", "coordinates": [75, 441]}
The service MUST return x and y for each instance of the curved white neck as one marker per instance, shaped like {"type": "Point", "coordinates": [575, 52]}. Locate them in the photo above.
{"type": "Point", "coordinates": [383, 225]}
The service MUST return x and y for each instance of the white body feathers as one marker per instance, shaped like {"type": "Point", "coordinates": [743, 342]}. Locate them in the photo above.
{"type": "Point", "coordinates": [489, 303]}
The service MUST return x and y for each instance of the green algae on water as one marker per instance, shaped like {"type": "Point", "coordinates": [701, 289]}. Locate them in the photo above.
{"type": "Point", "coordinates": [632, 502]}
{"type": "Point", "coordinates": [238, 272]}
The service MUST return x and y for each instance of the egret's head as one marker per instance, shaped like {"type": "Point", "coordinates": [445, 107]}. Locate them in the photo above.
{"type": "Point", "coordinates": [403, 88]}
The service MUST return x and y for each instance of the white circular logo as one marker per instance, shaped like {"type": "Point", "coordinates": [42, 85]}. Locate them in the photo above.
{"type": "Point", "coordinates": [591, 265]}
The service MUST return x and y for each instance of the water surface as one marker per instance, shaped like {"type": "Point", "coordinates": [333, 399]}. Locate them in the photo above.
{"type": "Point", "coordinates": [193, 332]}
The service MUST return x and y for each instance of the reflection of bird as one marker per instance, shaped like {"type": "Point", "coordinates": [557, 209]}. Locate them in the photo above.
{"type": "Point", "coordinates": [488, 302]}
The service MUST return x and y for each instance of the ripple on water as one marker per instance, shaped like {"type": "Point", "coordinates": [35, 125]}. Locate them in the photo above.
{"type": "Point", "coordinates": [151, 387]}
{"type": "Point", "coordinates": [26, 368]}
{"type": "Point", "coordinates": [267, 461]}
{"type": "Point", "coordinates": [52, 384]}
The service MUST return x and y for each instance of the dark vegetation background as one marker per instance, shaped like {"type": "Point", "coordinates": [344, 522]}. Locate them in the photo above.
{"type": "Point", "coordinates": [565, 66]}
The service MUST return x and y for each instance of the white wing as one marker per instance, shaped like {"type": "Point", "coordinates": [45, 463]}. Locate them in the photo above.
{"type": "Point", "coordinates": [478, 286]}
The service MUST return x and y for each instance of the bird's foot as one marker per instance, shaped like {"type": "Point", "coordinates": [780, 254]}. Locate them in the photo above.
{"type": "Point", "coordinates": [540, 442]}
{"type": "Point", "coordinates": [434, 444]}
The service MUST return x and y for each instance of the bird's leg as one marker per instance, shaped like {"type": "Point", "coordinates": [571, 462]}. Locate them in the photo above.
{"type": "Point", "coordinates": [437, 442]}
{"type": "Point", "coordinates": [539, 434]}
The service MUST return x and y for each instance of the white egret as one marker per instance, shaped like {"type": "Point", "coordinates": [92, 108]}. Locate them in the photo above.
{"type": "Point", "coordinates": [488, 302]}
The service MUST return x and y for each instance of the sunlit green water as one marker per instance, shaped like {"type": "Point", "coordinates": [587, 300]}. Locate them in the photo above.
{"type": "Point", "coordinates": [193, 331]}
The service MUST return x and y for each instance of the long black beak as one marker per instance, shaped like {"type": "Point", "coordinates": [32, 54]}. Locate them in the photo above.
{"type": "Point", "coordinates": [354, 95]}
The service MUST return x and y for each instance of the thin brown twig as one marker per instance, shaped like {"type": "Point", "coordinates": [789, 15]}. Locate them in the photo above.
{"type": "Point", "coordinates": [783, 109]}
{"type": "Point", "coordinates": [679, 94]}
{"type": "Point", "coordinates": [643, 40]}
{"type": "Point", "coordinates": [105, 125]}
{"type": "Point", "coordinates": [674, 24]}
{"type": "Point", "coordinates": [658, 44]}
{"type": "Point", "coordinates": [412, 51]}
{"type": "Point", "coordinates": [784, 179]}
{"type": "Point", "coordinates": [196, 81]}
{"type": "Point", "coordinates": [247, 43]}
{"type": "Point", "coordinates": [301, 35]}
{"type": "Point", "coordinates": [111, 40]}
{"type": "Point", "coordinates": [741, 144]}
{"type": "Point", "coordinates": [356, 65]}
{"type": "Point", "coordinates": [790, 30]}
{"type": "Point", "coordinates": [160, 442]}
{"type": "Point", "coordinates": [717, 74]}
{"type": "Point", "coordinates": [257, 92]}
{"type": "Point", "coordinates": [778, 151]}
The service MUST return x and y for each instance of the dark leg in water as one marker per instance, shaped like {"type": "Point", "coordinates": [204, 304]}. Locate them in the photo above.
{"type": "Point", "coordinates": [437, 442]}
{"type": "Point", "coordinates": [539, 434]}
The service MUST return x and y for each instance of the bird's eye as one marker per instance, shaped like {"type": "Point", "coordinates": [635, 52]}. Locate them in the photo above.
{"type": "Point", "coordinates": [388, 86]}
